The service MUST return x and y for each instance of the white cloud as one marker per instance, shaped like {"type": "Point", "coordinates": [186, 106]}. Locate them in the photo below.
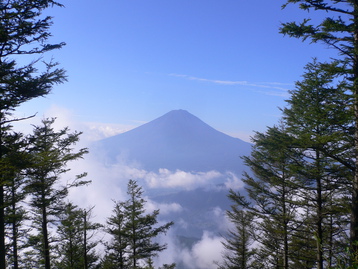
{"type": "Point", "coordinates": [188, 180]}
{"type": "Point", "coordinates": [233, 182]}
{"type": "Point", "coordinates": [219, 217]}
{"type": "Point", "coordinates": [182, 223]}
{"type": "Point", "coordinates": [92, 131]}
{"type": "Point", "coordinates": [97, 131]}
{"type": "Point", "coordinates": [204, 254]}
{"type": "Point", "coordinates": [108, 184]}
{"type": "Point", "coordinates": [164, 208]}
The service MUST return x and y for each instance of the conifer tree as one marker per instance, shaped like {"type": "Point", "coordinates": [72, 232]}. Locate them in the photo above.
{"type": "Point", "coordinates": [75, 244]}
{"type": "Point", "coordinates": [141, 228]}
{"type": "Point", "coordinates": [271, 190]}
{"type": "Point", "coordinates": [338, 30]}
{"type": "Point", "coordinates": [320, 123]}
{"type": "Point", "coordinates": [90, 256]}
{"type": "Point", "coordinates": [133, 232]}
{"type": "Point", "coordinates": [23, 31]}
{"type": "Point", "coordinates": [70, 238]}
{"type": "Point", "coordinates": [297, 175]}
{"type": "Point", "coordinates": [50, 151]}
{"type": "Point", "coordinates": [15, 214]}
{"type": "Point", "coordinates": [303, 244]}
{"type": "Point", "coordinates": [116, 249]}
{"type": "Point", "coordinates": [238, 242]}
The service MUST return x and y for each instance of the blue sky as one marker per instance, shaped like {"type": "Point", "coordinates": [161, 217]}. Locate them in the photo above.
{"type": "Point", "coordinates": [131, 61]}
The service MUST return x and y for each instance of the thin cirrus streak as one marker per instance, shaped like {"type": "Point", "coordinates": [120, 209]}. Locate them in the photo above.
{"type": "Point", "coordinates": [267, 85]}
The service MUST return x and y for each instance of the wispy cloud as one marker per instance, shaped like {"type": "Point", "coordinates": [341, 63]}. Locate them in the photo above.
{"type": "Point", "coordinates": [276, 88]}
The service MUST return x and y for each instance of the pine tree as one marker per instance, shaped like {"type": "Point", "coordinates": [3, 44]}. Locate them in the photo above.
{"type": "Point", "coordinates": [141, 228]}
{"type": "Point", "coordinates": [90, 256]}
{"type": "Point", "coordinates": [70, 238]}
{"type": "Point", "coordinates": [116, 248]}
{"type": "Point", "coordinates": [238, 241]}
{"type": "Point", "coordinates": [75, 245]}
{"type": "Point", "coordinates": [299, 187]}
{"type": "Point", "coordinates": [303, 244]}
{"type": "Point", "coordinates": [338, 30]}
{"type": "Point", "coordinates": [298, 190]}
{"type": "Point", "coordinates": [318, 120]}
{"type": "Point", "coordinates": [133, 232]}
{"type": "Point", "coordinates": [50, 153]}
{"type": "Point", "coordinates": [23, 31]}
{"type": "Point", "coordinates": [15, 214]}
{"type": "Point", "coordinates": [272, 192]}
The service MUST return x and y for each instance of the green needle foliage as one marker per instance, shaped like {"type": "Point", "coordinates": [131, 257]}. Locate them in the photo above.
{"type": "Point", "coordinates": [17, 160]}
{"type": "Point", "coordinates": [339, 30]}
{"type": "Point", "coordinates": [23, 31]}
{"type": "Point", "coordinates": [300, 189]}
{"type": "Point", "coordinates": [75, 246]}
{"type": "Point", "coordinates": [116, 249]}
{"type": "Point", "coordinates": [238, 252]}
{"type": "Point", "coordinates": [50, 151]}
{"type": "Point", "coordinates": [271, 190]}
{"type": "Point", "coordinates": [322, 126]}
{"type": "Point", "coordinates": [133, 232]}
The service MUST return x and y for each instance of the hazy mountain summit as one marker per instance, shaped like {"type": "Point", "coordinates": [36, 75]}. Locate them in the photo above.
{"type": "Point", "coordinates": [177, 140]}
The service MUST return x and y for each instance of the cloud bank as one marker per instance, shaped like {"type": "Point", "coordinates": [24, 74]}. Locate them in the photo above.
{"type": "Point", "coordinates": [204, 254]}
{"type": "Point", "coordinates": [92, 131]}
{"type": "Point", "coordinates": [109, 183]}
{"type": "Point", "coordinates": [188, 180]}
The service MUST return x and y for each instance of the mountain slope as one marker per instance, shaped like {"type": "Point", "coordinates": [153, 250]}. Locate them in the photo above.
{"type": "Point", "coordinates": [177, 140]}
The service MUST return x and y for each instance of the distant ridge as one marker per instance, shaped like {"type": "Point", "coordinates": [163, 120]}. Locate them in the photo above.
{"type": "Point", "coordinates": [177, 140]}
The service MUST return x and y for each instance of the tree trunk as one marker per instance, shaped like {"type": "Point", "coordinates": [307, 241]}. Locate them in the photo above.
{"type": "Point", "coordinates": [354, 215]}
{"type": "Point", "coordinates": [285, 222]}
{"type": "Point", "coordinates": [71, 252]}
{"type": "Point", "coordinates": [319, 238]}
{"type": "Point", "coordinates": [85, 240]}
{"type": "Point", "coordinates": [2, 228]}
{"type": "Point", "coordinates": [2, 207]}
{"type": "Point", "coordinates": [46, 249]}
{"type": "Point", "coordinates": [14, 231]}
{"type": "Point", "coordinates": [243, 249]}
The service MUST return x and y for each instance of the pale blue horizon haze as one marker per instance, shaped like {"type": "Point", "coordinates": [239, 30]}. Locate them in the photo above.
{"type": "Point", "coordinates": [129, 62]}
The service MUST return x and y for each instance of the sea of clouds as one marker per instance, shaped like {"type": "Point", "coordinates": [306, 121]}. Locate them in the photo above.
{"type": "Point", "coordinates": [109, 184]}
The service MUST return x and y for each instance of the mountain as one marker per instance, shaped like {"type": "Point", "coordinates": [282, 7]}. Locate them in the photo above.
{"type": "Point", "coordinates": [177, 140]}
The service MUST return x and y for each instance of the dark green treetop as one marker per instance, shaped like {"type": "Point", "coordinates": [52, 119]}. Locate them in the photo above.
{"type": "Point", "coordinates": [24, 31]}
{"type": "Point", "coordinates": [51, 151]}
{"type": "Point", "coordinates": [133, 232]}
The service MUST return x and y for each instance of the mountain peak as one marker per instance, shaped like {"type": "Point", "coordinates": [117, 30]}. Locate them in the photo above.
{"type": "Point", "coordinates": [179, 114]}
{"type": "Point", "coordinates": [178, 111]}
{"type": "Point", "coordinates": [177, 120]}
{"type": "Point", "coordinates": [178, 140]}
